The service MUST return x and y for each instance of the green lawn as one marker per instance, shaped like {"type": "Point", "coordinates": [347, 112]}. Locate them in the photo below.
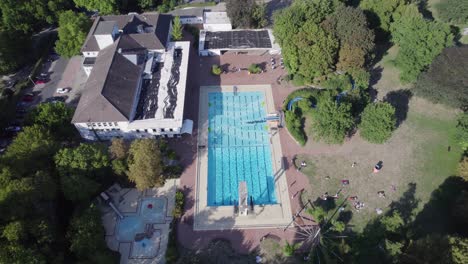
{"type": "Point", "coordinates": [415, 159]}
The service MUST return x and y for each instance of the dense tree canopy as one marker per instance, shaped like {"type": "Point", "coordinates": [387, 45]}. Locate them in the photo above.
{"type": "Point", "coordinates": [318, 37]}
{"type": "Point", "coordinates": [28, 16]}
{"type": "Point", "coordinates": [105, 7]}
{"type": "Point", "coordinates": [331, 121]}
{"type": "Point", "coordinates": [453, 11]}
{"type": "Point", "coordinates": [80, 169]}
{"type": "Point", "coordinates": [145, 164]}
{"type": "Point", "coordinates": [86, 237]}
{"type": "Point", "coordinates": [245, 13]}
{"type": "Point", "coordinates": [445, 81]}
{"type": "Point", "coordinates": [420, 41]}
{"type": "Point", "coordinates": [54, 117]}
{"type": "Point", "coordinates": [381, 12]}
{"type": "Point", "coordinates": [350, 26]}
{"type": "Point", "coordinates": [73, 28]}
{"type": "Point", "coordinates": [308, 49]}
{"type": "Point", "coordinates": [377, 122]}
{"type": "Point", "coordinates": [13, 47]}
{"type": "Point", "coordinates": [462, 131]}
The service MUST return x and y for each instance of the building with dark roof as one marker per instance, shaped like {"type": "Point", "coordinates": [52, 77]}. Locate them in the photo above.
{"type": "Point", "coordinates": [136, 79]}
{"type": "Point", "coordinates": [239, 41]}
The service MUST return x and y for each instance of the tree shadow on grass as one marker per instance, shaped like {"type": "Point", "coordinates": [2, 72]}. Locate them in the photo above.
{"type": "Point", "coordinates": [436, 216]}
{"type": "Point", "coordinates": [406, 204]}
{"type": "Point", "coordinates": [400, 100]}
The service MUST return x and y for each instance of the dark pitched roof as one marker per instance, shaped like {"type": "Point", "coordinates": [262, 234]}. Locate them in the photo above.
{"type": "Point", "coordinates": [104, 27]}
{"type": "Point", "coordinates": [110, 90]}
{"type": "Point", "coordinates": [149, 30]}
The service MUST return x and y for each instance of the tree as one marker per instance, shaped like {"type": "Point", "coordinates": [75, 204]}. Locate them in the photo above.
{"type": "Point", "coordinates": [380, 12]}
{"type": "Point", "coordinates": [14, 231]}
{"type": "Point", "coordinates": [31, 149]}
{"type": "Point", "coordinates": [177, 29]}
{"type": "Point", "coordinates": [459, 211]}
{"type": "Point", "coordinates": [463, 168]}
{"type": "Point", "coordinates": [55, 117]}
{"type": "Point", "coordinates": [437, 249]}
{"type": "Point", "coordinates": [453, 11]}
{"type": "Point", "coordinates": [240, 12]}
{"type": "Point", "coordinates": [331, 121]}
{"type": "Point", "coordinates": [419, 41]}
{"type": "Point", "coordinates": [73, 28]}
{"type": "Point", "coordinates": [145, 164]}
{"type": "Point", "coordinates": [392, 223]}
{"type": "Point", "coordinates": [356, 39]}
{"type": "Point", "coordinates": [81, 169]}
{"type": "Point", "coordinates": [86, 235]}
{"type": "Point", "coordinates": [462, 131]}
{"type": "Point", "coordinates": [259, 15]}
{"type": "Point", "coordinates": [105, 7]}
{"type": "Point", "coordinates": [445, 82]}
{"type": "Point", "coordinates": [377, 122]}
{"type": "Point", "coordinates": [118, 148]}
{"type": "Point", "coordinates": [28, 16]}
{"type": "Point", "coordinates": [13, 46]}
{"type": "Point", "coordinates": [145, 4]}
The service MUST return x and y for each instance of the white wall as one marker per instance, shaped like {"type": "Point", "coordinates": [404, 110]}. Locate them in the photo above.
{"type": "Point", "coordinates": [217, 27]}
{"type": "Point", "coordinates": [90, 54]}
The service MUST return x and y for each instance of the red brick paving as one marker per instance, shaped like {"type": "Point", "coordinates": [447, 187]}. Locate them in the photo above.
{"type": "Point", "coordinates": [199, 74]}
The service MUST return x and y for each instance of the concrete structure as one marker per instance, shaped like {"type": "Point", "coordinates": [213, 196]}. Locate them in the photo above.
{"type": "Point", "coordinates": [239, 41]}
{"type": "Point", "coordinates": [216, 21]}
{"type": "Point", "coordinates": [225, 217]}
{"type": "Point", "coordinates": [189, 15]}
{"type": "Point", "coordinates": [137, 79]}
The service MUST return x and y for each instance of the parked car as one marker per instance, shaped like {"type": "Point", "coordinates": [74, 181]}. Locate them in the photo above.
{"type": "Point", "coordinates": [40, 81]}
{"type": "Point", "coordinates": [11, 84]}
{"type": "Point", "coordinates": [13, 129]}
{"type": "Point", "coordinates": [63, 90]}
{"type": "Point", "coordinates": [29, 97]}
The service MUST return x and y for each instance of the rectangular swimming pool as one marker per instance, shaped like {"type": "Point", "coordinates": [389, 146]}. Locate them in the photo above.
{"type": "Point", "coordinates": [238, 148]}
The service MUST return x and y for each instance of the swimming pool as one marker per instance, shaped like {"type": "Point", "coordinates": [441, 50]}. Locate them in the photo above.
{"type": "Point", "coordinates": [128, 227]}
{"type": "Point", "coordinates": [153, 210]}
{"type": "Point", "coordinates": [238, 148]}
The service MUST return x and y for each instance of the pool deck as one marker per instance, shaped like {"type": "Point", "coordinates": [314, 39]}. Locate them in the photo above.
{"type": "Point", "coordinates": [128, 202]}
{"type": "Point", "coordinates": [223, 217]}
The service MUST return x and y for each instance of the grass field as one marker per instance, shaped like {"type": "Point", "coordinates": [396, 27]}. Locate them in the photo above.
{"type": "Point", "coordinates": [416, 159]}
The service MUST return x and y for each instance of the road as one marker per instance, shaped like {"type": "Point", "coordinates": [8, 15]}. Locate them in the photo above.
{"type": "Point", "coordinates": [55, 71]}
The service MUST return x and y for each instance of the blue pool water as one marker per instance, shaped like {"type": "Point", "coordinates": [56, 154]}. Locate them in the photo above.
{"type": "Point", "coordinates": [128, 227]}
{"type": "Point", "coordinates": [238, 148]}
{"type": "Point", "coordinates": [156, 213]}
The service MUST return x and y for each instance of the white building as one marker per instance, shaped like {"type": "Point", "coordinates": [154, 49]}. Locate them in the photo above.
{"type": "Point", "coordinates": [216, 21]}
{"type": "Point", "coordinates": [137, 79]}
{"type": "Point", "coordinates": [238, 41]}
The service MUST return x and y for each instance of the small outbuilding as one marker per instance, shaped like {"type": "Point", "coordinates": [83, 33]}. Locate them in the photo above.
{"type": "Point", "coordinates": [216, 21]}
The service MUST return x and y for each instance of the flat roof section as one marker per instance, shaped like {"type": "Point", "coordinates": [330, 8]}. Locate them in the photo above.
{"type": "Point", "coordinates": [237, 39]}
{"type": "Point", "coordinates": [216, 18]}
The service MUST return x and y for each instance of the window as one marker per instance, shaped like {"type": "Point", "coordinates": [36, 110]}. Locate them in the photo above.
{"type": "Point", "coordinates": [170, 129]}
{"type": "Point", "coordinates": [154, 130]}
{"type": "Point", "coordinates": [99, 124]}
{"type": "Point", "coordinates": [162, 129]}
{"type": "Point", "coordinates": [138, 130]}
{"type": "Point", "coordinates": [105, 124]}
{"type": "Point", "coordinates": [115, 124]}
{"type": "Point", "coordinates": [146, 130]}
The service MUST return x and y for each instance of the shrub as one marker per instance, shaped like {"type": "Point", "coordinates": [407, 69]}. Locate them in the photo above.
{"type": "Point", "coordinates": [361, 78]}
{"type": "Point", "coordinates": [216, 70]}
{"type": "Point", "coordinates": [254, 68]}
{"type": "Point", "coordinates": [377, 122]}
{"type": "Point", "coordinates": [306, 93]}
{"type": "Point", "coordinates": [338, 82]}
{"type": "Point", "coordinates": [298, 80]}
{"type": "Point", "coordinates": [172, 253]}
{"type": "Point", "coordinates": [172, 155]}
{"type": "Point", "coordinates": [172, 172]}
{"type": "Point", "coordinates": [179, 204]}
{"type": "Point", "coordinates": [289, 249]}
{"type": "Point", "coordinates": [295, 126]}
{"type": "Point", "coordinates": [462, 131]}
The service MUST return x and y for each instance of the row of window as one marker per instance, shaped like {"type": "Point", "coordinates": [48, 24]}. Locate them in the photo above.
{"type": "Point", "coordinates": [154, 130]}
{"type": "Point", "coordinates": [103, 124]}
